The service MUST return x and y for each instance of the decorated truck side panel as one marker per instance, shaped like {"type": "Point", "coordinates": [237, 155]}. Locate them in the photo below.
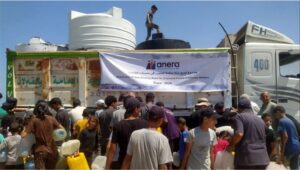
{"type": "Point", "coordinates": [69, 75]}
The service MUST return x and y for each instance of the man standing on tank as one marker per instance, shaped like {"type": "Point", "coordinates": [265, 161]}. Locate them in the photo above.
{"type": "Point", "coordinates": [149, 22]}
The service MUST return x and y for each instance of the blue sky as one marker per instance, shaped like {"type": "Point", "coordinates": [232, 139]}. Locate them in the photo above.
{"type": "Point", "coordinates": [193, 21]}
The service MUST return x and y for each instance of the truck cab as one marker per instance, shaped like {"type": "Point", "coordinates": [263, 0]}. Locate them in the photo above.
{"type": "Point", "coordinates": [269, 61]}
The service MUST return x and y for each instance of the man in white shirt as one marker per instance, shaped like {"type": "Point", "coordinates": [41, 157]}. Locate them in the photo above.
{"type": "Point", "coordinates": [147, 148]}
{"type": "Point", "coordinates": [100, 105]}
{"type": "Point", "coordinates": [76, 113]}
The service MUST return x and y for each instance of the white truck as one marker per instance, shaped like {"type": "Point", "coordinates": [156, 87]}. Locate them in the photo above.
{"type": "Point", "coordinates": [266, 60]}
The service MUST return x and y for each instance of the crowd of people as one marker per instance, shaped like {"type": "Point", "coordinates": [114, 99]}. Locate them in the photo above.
{"type": "Point", "coordinates": [134, 134]}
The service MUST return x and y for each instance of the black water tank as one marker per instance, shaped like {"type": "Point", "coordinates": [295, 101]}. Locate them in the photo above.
{"type": "Point", "coordinates": [158, 42]}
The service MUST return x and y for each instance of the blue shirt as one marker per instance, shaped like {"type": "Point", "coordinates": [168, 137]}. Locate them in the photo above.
{"type": "Point", "coordinates": [293, 143]}
{"type": "Point", "coordinates": [182, 142]}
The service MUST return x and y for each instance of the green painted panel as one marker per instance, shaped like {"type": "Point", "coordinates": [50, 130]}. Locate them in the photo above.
{"type": "Point", "coordinates": [96, 53]}
{"type": "Point", "coordinates": [10, 77]}
{"type": "Point", "coordinates": [53, 54]}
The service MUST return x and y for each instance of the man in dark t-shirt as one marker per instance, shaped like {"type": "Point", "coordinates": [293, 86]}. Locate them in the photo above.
{"type": "Point", "coordinates": [224, 114]}
{"type": "Point", "coordinates": [123, 130]}
{"type": "Point", "coordinates": [62, 115]}
{"type": "Point", "coordinates": [104, 120]}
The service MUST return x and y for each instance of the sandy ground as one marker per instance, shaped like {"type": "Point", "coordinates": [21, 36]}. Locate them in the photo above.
{"type": "Point", "coordinates": [275, 166]}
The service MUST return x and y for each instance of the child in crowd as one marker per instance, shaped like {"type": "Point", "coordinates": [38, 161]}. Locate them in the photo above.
{"type": "Point", "coordinates": [270, 135]}
{"type": "Point", "coordinates": [222, 142]}
{"type": "Point", "coordinates": [89, 138]}
{"type": "Point", "coordinates": [11, 144]}
{"type": "Point", "coordinates": [81, 123]}
{"type": "Point", "coordinates": [200, 141]}
{"type": "Point", "coordinates": [181, 123]}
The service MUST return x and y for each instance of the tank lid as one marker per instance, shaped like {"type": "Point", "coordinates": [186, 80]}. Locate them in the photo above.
{"type": "Point", "coordinates": [36, 40]}
{"type": "Point", "coordinates": [114, 12]}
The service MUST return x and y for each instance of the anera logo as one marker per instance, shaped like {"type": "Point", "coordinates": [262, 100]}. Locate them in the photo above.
{"type": "Point", "coordinates": [152, 65]}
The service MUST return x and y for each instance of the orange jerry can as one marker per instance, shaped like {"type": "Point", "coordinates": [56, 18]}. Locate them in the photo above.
{"type": "Point", "coordinates": [77, 162]}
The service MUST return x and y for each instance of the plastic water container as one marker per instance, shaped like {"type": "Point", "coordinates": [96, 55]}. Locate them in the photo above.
{"type": "Point", "coordinates": [99, 163]}
{"type": "Point", "coordinates": [59, 135]}
{"type": "Point", "coordinates": [3, 156]}
{"type": "Point", "coordinates": [69, 147]}
{"type": "Point", "coordinates": [76, 162]}
{"type": "Point", "coordinates": [176, 159]}
{"type": "Point", "coordinates": [29, 165]}
{"type": "Point", "coordinates": [225, 128]}
{"type": "Point", "coordinates": [26, 145]}
{"type": "Point", "coordinates": [159, 130]}
{"type": "Point", "coordinates": [224, 160]}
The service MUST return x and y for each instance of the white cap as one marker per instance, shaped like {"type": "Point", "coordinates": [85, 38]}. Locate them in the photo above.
{"type": "Point", "coordinates": [202, 99]}
{"type": "Point", "coordinates": [245, 96]}
{"type": "Point", "coordinates": [100, 101]}
{"type": "Point", "coordinates": [202, 104]}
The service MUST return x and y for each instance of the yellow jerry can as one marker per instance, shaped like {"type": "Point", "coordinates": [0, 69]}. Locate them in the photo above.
{"type": "Point", "coordinates": [77, 162]}
{"type": "Point", "coordinates": [159, 130]}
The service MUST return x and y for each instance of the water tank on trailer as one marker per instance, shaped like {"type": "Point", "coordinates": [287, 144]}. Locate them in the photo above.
{"type": "Point", "coordinates": [101, 31]}
{"type": "Point", "coordinates": [38, 44]}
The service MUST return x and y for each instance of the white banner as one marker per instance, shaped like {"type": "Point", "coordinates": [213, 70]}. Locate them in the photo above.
{"type": "Point", "coordinates": [167, 72]}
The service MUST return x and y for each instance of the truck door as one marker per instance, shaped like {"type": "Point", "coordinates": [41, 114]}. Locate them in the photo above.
{"type": "Point", "coordinates": [288, 80]}
{"type": "Point", "coordinates": [259, 73]}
